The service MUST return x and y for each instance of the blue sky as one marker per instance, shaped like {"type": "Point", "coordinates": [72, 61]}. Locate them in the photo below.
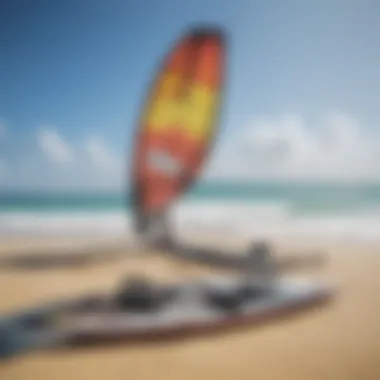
{"type": "Point", "coordinates": [73, 74]}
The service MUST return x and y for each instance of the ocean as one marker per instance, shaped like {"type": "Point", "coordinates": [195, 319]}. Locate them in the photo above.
{"type": "Point", "coordinates": [259, 209]}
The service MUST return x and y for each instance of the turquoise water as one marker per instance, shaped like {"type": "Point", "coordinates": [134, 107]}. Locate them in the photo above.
{"type": "Point", "coordinates": [305, 198]}
{"type": "Point", "coordinates": [257, 209]}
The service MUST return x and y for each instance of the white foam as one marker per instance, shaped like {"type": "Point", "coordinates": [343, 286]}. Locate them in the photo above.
{"type": "Point", "coordinates": [273, 220]}
{"type": "Point", "coordinates": [66, 223]}
{"type": "Point", "coordinates": [207, 218]}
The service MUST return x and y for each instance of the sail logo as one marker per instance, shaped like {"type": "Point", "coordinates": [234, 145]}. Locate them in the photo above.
{"type": "Point", "coordinates": [192, 114]}
{"type": "Point", "coordinates": [163, 162]}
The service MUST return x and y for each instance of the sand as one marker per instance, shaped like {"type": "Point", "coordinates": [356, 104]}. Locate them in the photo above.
{"type": "Point", "coordinates": [340, 341]}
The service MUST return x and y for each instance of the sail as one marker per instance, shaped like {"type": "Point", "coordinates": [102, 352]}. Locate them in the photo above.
{"type": "Point", "coordinates": [179, 120]}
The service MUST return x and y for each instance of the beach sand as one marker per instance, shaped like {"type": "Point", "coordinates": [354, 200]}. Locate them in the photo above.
{"type": "Point", "coordinates": [339, 341]}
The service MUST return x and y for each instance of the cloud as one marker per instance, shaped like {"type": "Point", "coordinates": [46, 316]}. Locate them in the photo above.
{"type": "Point", "coordinates": [281, 148]}
{"type": "Point", "coordinates": [47, 161]}
{"type": "Point", "coordinates": [54, 146]}
{"type": "Point", "coordinates": [289, 148]}
{"type": "Point", "coordinates": [98, 153]}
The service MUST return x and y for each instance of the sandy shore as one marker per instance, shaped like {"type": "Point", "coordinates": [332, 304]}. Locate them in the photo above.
{"type": "Point", "coordinates": [341, 341]}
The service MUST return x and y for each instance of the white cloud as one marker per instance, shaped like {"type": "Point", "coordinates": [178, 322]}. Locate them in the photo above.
{"type": "Point", "coordinates": [275, 148]}
{"type": "Point", "coordinates": [49, 162]}
{"type": "Point", "coordinates": [288, 148]}
{"type": "Point", "coordinates": [98, 153]}
{"type": "Point", "coordinates": [54, 146]}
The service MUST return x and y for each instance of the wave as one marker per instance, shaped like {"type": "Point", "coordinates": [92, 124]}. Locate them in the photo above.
{"type": "Point", "coordinates": [65, 223]}
{"type": "Point", "coordinates": [208, 218]}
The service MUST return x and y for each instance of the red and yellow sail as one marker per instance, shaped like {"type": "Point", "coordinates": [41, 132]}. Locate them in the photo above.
{"type": "Point", "coordinates": [179, 119]}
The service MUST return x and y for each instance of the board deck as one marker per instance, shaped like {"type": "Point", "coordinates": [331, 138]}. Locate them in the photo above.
{"type": "Point", "coordinates": [93, 320]}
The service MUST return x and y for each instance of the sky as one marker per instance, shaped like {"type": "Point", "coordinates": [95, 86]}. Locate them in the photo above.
{"type": "Point", "coordinates": [301, 97]}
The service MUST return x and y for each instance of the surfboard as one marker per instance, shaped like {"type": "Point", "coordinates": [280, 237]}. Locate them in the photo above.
{"type": "Point", "coordinates": [178, 310]}
{"type": "Point", "coordinates": [179, 120]}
